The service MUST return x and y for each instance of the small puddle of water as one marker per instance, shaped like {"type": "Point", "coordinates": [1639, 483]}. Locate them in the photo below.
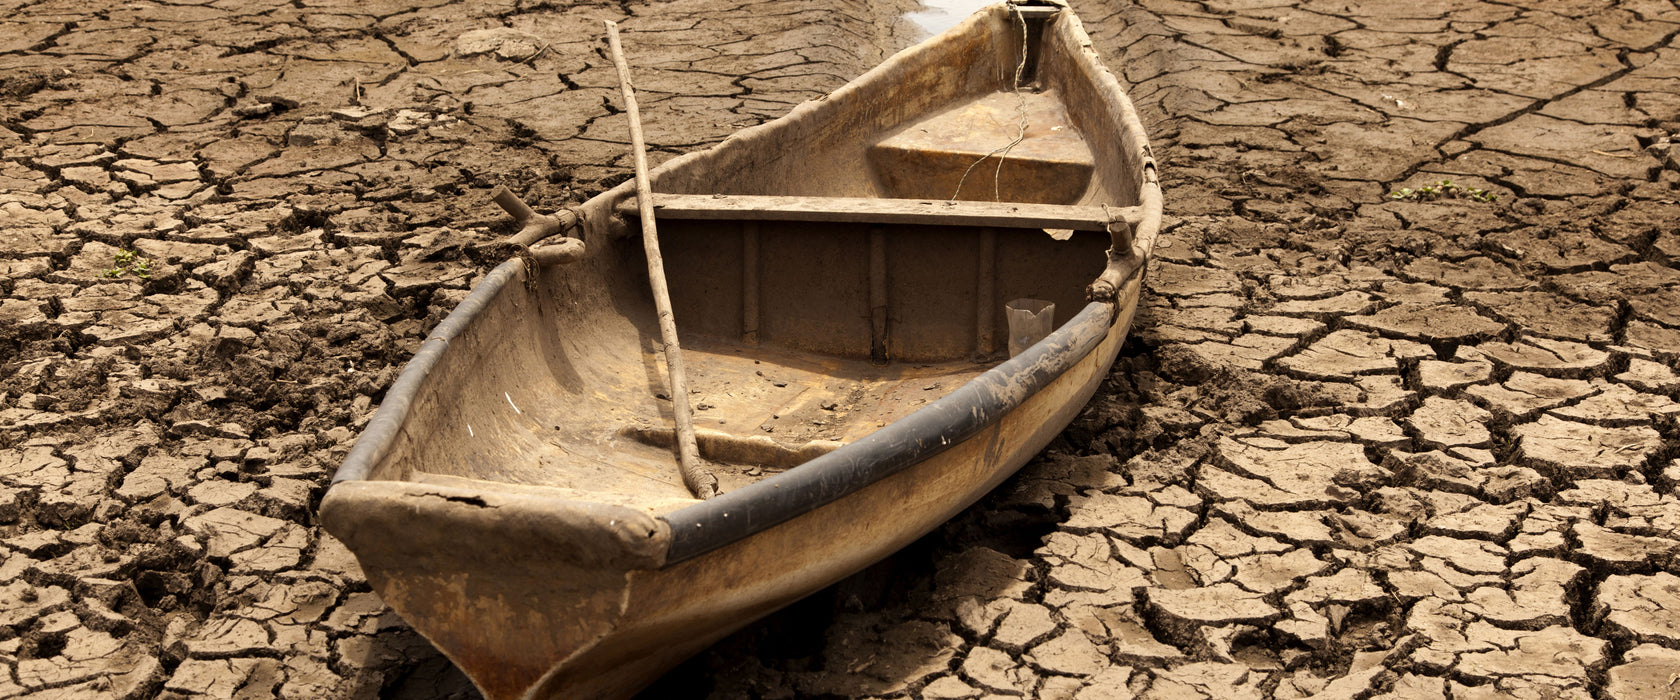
{"type": "Point", "coordinates": [940, 15]}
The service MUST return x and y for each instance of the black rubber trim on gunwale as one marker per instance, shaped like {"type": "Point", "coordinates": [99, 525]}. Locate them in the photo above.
{"type": "Point", "coordinates": [959, 415]}
{"type": "Point", "coordinates": [382, 429]}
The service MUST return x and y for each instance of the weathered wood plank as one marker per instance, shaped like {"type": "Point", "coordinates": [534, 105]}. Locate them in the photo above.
{"type": "Point", "coordinates": [882, 211]}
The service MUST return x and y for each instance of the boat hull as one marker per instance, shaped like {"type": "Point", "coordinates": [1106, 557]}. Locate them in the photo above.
{"type": "Point", "coordinates": [501, 503]}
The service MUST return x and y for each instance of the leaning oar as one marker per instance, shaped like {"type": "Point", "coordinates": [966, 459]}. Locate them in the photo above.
{"type": "Point", "coordinates": [698, 480]}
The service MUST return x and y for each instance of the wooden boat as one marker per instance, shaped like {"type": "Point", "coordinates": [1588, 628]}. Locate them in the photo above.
{"type": "Point", "coordinates": [515, 498]}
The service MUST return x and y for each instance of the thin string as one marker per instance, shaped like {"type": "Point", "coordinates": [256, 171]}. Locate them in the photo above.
{"type": "Point", "coordinates": [1002, 152]}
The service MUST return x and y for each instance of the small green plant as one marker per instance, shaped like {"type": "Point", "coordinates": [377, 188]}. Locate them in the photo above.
{"type": "Point", "coordinates": [1444, 188]}
{"type": "Point", "coordinates": [128, 261]}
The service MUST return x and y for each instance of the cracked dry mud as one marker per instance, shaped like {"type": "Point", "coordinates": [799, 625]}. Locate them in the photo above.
{"type": "Point", "coordinates": [1357, 446]}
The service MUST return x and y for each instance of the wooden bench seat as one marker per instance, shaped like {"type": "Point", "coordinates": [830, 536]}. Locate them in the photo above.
{"type": "Point", "coordinates": [883, 211]}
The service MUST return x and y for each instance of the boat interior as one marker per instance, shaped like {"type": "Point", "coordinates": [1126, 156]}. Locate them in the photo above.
{"type": "Point", "coordinates": [829, 274]}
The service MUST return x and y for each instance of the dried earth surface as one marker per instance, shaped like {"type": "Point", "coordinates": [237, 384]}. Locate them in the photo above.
{"type": "Point", "coordinates": [1358, 446]}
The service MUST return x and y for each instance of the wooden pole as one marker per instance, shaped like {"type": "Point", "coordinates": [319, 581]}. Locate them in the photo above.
{"type": "Point", "coordinates": [699, 481]}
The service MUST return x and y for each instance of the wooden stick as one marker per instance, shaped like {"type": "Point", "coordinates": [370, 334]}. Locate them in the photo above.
{"type": "Point", "coordinates": [535, 227]}
{"type": "Point", "coordinates": [699, 481]}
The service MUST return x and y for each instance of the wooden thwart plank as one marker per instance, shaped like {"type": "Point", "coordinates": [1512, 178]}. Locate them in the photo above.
{"type": "Point", "coordinates": [1037, 12]}
{"type": "Point", "coordinates": [882, 211]}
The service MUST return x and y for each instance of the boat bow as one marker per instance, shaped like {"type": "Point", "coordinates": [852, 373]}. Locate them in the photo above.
{"type": "Point", "coordinates": [477, 588]}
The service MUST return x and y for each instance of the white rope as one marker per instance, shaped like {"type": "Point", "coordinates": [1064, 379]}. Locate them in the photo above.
{"type": "Point", "coordinates": [1021, 105]}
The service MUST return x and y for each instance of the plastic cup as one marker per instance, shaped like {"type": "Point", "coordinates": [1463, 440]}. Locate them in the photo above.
{"type": "Point", "coordinates": [1029, 321]}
